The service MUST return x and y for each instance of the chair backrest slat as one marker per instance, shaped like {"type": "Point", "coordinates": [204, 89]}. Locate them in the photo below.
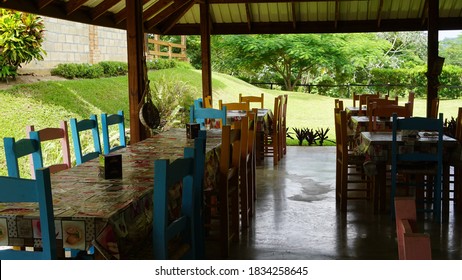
{"type": "Point", "coordinates": [17, 149]}
{"type": "Point", "coordinates": [110, 120]}
{"type": "Point", "coordinates": [79, 126]}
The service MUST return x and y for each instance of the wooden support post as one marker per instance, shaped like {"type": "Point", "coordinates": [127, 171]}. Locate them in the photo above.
{"type": "Point", "coordinates": [205, 49]}
{"type": "Point", "coordinates": [432, 78]}
{"type": "Point", "coordinates": [136, 67]}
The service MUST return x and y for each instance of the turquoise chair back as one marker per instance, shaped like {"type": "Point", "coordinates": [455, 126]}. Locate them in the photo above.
{"type": "Point", "coordinates": [17, 149]}
{"type": "Point", "coordinates": [199, 115]}
{"type": "Point", "coordinates": [168, 175]}
{"type": "Point", "coordinates": [76, 128]}
{"type": "Point", "coordinates": [25, 190]}
{"type": "Point", "coordinates": [106, 121]}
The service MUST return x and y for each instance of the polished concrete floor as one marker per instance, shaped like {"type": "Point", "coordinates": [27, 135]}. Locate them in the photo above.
{"type": "Point", "coordinates": [297, 219]}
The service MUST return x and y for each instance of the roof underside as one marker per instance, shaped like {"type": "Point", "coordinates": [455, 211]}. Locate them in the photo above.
{"type": "Point", "coordinates": [182, 17]}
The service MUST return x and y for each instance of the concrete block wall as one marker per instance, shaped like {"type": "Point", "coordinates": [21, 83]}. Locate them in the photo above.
{"type": "Point", "coordinates": [71, 42]}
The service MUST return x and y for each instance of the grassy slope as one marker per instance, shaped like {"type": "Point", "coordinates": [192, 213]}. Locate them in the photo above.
{"type": "Point", "coordinates": [44, 104]}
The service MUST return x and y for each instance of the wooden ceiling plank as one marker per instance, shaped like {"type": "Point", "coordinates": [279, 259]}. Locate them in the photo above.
{"type": "Point", "coordinates": [102, 8]}
{"type": "Point", "coordinates": [73, 6]}
{"type": "Point", "coordinates": [43, 3]}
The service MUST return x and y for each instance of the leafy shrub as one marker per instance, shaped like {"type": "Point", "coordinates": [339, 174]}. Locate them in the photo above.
{"type": "Point", "coordinates": [78, 70]}
{"type": "Point", "coordinates": [172, 98]}
{"type": "Point", "coordinates": [161, 63]}
{"type": "Point", "coordinates": [21, 37]}
{"type": "Point", "coordinates": [107, 68]}
{"type": "Point", "coordinates": [114, 68]}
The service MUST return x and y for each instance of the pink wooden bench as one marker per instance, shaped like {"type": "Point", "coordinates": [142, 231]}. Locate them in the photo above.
{"type": "Point", "coordinates": [411, 244]}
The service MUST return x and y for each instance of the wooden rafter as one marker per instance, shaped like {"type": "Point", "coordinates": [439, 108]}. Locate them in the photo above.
{"type": "Point", "coordinates": [156, 8]}
{"type": "Point", "coordinates": [379, 13]}
{"type": "Point", "coordinates": [248, 13]}
{"type": "Point", "coordinates": [99, 10]}
{"type": "Point", "coordinates": [164, 14]}
{"type": "Point", "coordinates": [122, 14]}
{"type": "Point", "coordinates": [43, 3]}
{"type": "Point", "coordinates": [337, 13]}
{"type": "Point", "coordinates": [294, 16]}
{"type": "Point", "coordinates": [73, 6]}
{"type": "Point", "coordinates": [176, 16]}
{"type": "Point", "coordinates": [424, 15]}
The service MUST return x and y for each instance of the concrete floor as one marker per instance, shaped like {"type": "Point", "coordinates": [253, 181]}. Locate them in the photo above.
{"type": "Point", "coordinates": [296, 217]}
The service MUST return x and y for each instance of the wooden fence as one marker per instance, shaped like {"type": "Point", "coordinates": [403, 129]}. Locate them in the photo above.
{"type": "Point", "coordinates": [177, 51]}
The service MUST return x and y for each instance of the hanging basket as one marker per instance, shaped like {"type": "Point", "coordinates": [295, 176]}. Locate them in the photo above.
{"type": "Point", "coordinates": [149, 114]}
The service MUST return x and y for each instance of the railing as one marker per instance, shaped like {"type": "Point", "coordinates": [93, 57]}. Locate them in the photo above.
{"type": "Point", "coordinates": [349, 87]}
{"type": "Point", "coordinates": [157, 52]}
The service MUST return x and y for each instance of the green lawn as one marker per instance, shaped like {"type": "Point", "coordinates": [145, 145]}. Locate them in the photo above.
{"type": "Point", "coordinates": [44, 104]}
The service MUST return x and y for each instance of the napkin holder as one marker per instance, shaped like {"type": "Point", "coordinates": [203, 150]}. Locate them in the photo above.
{"type": "Point", "coordinates": [110, 166]}
{"type": "Point", "coordinates": [192, 130]}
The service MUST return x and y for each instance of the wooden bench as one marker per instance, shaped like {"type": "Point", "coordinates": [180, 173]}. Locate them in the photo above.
{"type": "Point", "coordinates": [412, 245]}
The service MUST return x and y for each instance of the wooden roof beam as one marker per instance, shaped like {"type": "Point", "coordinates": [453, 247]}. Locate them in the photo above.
{"type": "Point", "coordinates": [164, 14]}
{"type": "Point", "coordinates": [102, 8]}
{"type": "Point", "coordinates": [73, 6]}
{"type": "Point", "coordinates": [175, 17]}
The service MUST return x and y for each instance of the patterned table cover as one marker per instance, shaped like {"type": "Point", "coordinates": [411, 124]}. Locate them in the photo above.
{"type": "Point", "coordinates": [117, 214]}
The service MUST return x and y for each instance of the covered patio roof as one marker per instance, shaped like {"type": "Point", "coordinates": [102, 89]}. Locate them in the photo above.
{"type": "Point", "coordinates": [208, 17]}
{"type": "Point", "coordinates": [183, 17]}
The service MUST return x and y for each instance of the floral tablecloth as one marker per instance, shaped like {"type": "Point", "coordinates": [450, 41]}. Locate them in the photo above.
{"type": "Point", "coordinates": [115, 214]}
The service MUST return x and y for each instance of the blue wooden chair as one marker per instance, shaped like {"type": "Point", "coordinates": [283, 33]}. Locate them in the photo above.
{"type": "Point", "coordinates": [106, 121]}
{"type": "Point", "coordinates": [17, 149]}
{"type": "Point", "coordinates": [199, 115]}
{"type": "Point", "coordinates": [411, 160]}
{"type": "Point", "coordinates": [26, 190]}
{"type": "Point", "coordinates": [79, 126]}
{"type": "Point", "coordinates": [181, 232]}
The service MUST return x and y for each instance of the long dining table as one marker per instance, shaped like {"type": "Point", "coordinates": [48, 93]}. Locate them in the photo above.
{"type": "Point", "coordinates": [377, 148]}
{"type": "Point", "coordinates": [116, 214]}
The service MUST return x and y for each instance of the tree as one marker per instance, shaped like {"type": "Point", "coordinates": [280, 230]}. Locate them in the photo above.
{"type": "Point", "coordinates": [21, 37]}
{"type": "Point", "coordinates": [451, 50]}
{"type": "Point", "coordinates": [290, 56]}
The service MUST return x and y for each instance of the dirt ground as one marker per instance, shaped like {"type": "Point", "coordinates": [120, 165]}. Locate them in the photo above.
{"type": "Point", "coordinates": [28, 79]}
